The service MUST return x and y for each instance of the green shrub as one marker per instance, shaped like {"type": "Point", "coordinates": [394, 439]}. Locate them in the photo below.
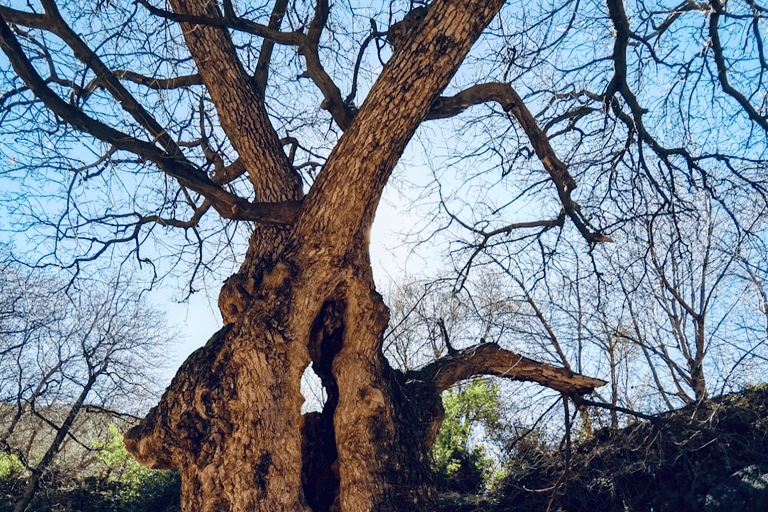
{"type": "Point", "coordinates": [10, 466]}
{"type": "Point", "coordinates": [459, 466]}
{"type": "Point", "coordinates": [139, 489]}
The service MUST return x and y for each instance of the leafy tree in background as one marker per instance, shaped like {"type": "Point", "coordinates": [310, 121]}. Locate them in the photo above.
{"type": "Point", "coordinates": [569, 121]}
{"type": "Point", "coordinates": [461, 462]}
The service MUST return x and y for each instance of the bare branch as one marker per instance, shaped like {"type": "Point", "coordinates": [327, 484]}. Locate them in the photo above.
{"type": "Point", "coordinates": [722, 68]}
{"type": "Point", "coordinates": [511, 102]}
{"type": "Point", "coordinates": [108, 80]}
{"type": "Point", "coordinates": [490, 359]}
{"type": "Point", "coordinates": [159, 83]}
{"type": "Point", "coordinates": [261, 73]}
{"type": "Point", "coordinates": [228, 21]}
{"type": "Point", "coordinates": [228, 205]}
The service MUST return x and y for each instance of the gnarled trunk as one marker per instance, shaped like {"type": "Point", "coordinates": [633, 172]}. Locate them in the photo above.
{"type": "Point", "coordinates": [231, 418]}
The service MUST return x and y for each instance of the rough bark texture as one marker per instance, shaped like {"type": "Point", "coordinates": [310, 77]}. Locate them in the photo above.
{"type": "Point", "coordinates": [305, 293]}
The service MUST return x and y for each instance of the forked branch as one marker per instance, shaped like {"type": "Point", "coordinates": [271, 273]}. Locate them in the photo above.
{"type": "Point", "coordinates": [176, 165]}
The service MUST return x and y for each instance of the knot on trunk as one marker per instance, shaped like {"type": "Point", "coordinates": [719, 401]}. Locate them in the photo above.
{"type": "Point", "coordinates": [189, 417]}
{"type": "Point", "coordinates": [235, 296]}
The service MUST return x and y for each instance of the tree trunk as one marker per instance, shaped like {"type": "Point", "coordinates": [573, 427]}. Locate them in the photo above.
{"type": "Point", "coordinates": [231, 418]}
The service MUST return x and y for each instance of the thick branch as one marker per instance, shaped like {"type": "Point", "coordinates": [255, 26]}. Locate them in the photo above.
{"type": "Point", "coordinates": [621, 41]}
{"type": "Point", "coordinates": [239, 105]}
{"type": "Point", "coordinates": [229, 173]}
{"type": "Point", "coordinates": [490, 359]}
{"type": "Point", "coordinates": [106, 78]}
{"type": "Point", "coordinates": [347, 190]}
{"type": "Point", "coordinates": [26, 19]}
{"type": "Point", "coordinates": [307, 45]}
{"type": "Point", "coordinates": [511, 102]}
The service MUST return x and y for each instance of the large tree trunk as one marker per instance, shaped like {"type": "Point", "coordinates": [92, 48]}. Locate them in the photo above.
{"type": "Point", "coordinates": [231, 418]}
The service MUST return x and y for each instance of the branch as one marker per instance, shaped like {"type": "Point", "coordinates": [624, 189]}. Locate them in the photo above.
{"type": "Point", "coordinates": [622, 33]}
{"type": "Point", "coordinates": [261, 73]}
{"type": "Point", "coordinates": [349, 100]}
{"type": "Point", "coordinates": [229, 20]}
{"type": "Point", "coordinates": [659, 268]}
{"type": "Point", "coordinates": [582, 402]}
{"type": "Point", "coordinates": [27, 19]}
{"type": "Point", "coordinates": [176, 82]}
{"type": "Point", "coordinates": [307, 45]}
{"type": "Point", "coordinates": [332, 101]}
{"type": "Point", "coordinates": [344, 196]}
{"type": "Point", "coordinates": [674, 14]}
{"type": "Point", "coordinates": [512, 103]}
{"type": "Point", "coordinates": [98, 409]}
{"type": "Point", "coordinates": [238, 102]}
{"type": "Point", "coordinates": [177, 166]}
{"type": "Point", "coordinates": [545, 225]}
{"type": "Point", "coordinates": [190, 223]}
{"type": "Point", "coordinates": [72, 115]}
{"type": "Point", "coordinates": [490, 359]}
{"type": "Point", "coordinates": [543, 321]}
{"type": "Point", "coordinates": [106, 78]}
{"type": "Point", "coordinates": [722, 68]}
{"type": "Point", "coordinates": [159, 83]}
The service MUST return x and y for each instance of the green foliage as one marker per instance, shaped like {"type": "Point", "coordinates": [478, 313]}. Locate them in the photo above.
{"type": "Point", "coordinates": [10, 466]}
{"type": "Point", "coordinates": [118, 465]}
{"type": "Point", "coordinates": [122, 485]}
{"type": "Point", "coordinates": [140, 489]}
{"type": "Point", "coordinates": [460, 466]}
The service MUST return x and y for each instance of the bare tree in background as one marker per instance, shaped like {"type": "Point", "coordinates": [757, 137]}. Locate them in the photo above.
{"type": "Point", "coordinates": [129, 120]}
{"type": "Point", "coordinates": [62, 352]}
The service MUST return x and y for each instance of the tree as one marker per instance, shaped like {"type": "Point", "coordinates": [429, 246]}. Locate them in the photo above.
{"type": "Point", "coordinates": [62, 353]}
{"type": "Point", "coordinates": [466, 468]}
{"type": "Point", "coordinates": [152, 119]}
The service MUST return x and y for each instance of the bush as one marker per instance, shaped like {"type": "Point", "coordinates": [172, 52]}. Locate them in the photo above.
{"type": "Point", "coordinates": [668, 465]}
{"type": "Point", "coordinates": [460, 467]}
{"type": "Point", "coordinates": [138, 489]}
{"type": "Point", "coordinates": [10, 466]}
